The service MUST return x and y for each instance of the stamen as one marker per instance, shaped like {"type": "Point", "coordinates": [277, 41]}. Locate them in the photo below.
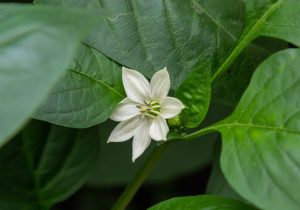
{"type": "Point", "coordinates": [150, 109]}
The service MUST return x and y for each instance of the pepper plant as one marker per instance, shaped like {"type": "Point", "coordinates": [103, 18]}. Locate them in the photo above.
{"type": "Point", "coordinates": [232, 68]}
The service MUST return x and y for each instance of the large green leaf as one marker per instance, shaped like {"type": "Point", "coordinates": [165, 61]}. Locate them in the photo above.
{"type": "Point", "coordinates": [87, 94]}
{"type": "Point", "coordinates": [148, 35]}
{"type": "Point", "coordinates": [275, 18]}
{"type": "Point", "coordinates": [260, 155]}
{"type": "Point", "coordinates": [44, 164]}
{"type": "Point", "coordinates": [36, 45]}
{"type": "Point", "coordinates": [204, 202]}
{"type": "Point", "coordinates": [162, 33]}
{"type": "Point", "coordinates": [182, 35]}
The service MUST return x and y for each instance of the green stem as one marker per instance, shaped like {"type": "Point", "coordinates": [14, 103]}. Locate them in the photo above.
{"type": "Point", "coordinates": [142, 174]}
{"type": "Point", "coordinates": [139, 178]}
{"type": "Point", "coordinates": [247, 38]}
{"type": "Point", "coordinates": [240, 46]}
{"type": "Point", "coordinates": [199, 133]}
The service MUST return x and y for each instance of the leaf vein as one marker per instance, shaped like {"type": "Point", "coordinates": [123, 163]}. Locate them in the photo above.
{"type": "Point", "coordinates": [247, 125]}
{"type": "Point", "coordinates": [246, 38]}
{"type": "Point", "coordinates": [281, 189]}
{"type": "Point", "coordinates": [198, 7]}
{"type": "Point", "coordinates": [102, 83]}
{"type": "Point", "coordinates": [135, 18]}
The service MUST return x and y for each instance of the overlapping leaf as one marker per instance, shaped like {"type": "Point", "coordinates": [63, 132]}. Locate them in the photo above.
{"type": "Point", "coordinates": [201, 203]}
{"type": "Point", "coordinates": [260, 155]}
{"type": "Point", "coordinates": [36, 45]}
{"type": "Point", "coordinates": [276, 18]}
{"type": "Point", "coordinates": [87, 94]}
{"type": "Point", "coordinates": [195, 93]}
{"type": "Point", "coordinates": [45, 164]}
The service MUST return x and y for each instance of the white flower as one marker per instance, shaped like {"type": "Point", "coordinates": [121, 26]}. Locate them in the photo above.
{"type": "Point", "coordinates": [144, 112]}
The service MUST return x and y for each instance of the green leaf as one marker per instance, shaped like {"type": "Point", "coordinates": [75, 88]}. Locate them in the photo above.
{"type": "Point", "coordinates": [45, 164]}
{"type": "Point", "coordinates": [202, 202]}
{"type": "Point", "coordinates": [149, 35]}
{"type": "Point", "coordinates": [36, 45]}
{"type": "Point", "coordinates": [185, 34]}
{"type": "Point", "coordinates": [273, 18]}
{"type": "Point", "coordinates": [162, 33]}
{"type": "Point", "coordinates": [195, 93]}
{"type": "Point", "coordinates": [276, 18]}
{"type": "Point", "coordinates": [260, 155]}
{"type": "Point", "coordinates": [87, 94]}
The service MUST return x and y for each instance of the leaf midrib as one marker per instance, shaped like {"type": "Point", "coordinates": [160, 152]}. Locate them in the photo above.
{"type": "Point", "coordinates": [29, 164]}
{"type": "Point", "coordinates": [249, 125]}
{"type": "Point", "coordinates": [98, 82]}
{"type": "Point", "coordinates": [224, 124]}
{"type": "Point", "coordinates": [246, 38]}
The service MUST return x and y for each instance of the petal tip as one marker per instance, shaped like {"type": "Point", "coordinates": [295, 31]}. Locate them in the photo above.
{"type": "Point", "coordinates": [164, 71]}
{"type": "Point", "coordinates": [134, 157]}
{"type": "Point", "coordinates": [158, 138]}
{"type": "Point", "coordinates": [125, 69]}
{"type": "Point", "coordinates": [112, 118]}
{"type": "Point", "coordinates": [182, 106]}
{"type": "Point", "coordinates": [164, 138]}
{"type": "Point", "coordinates": [108, 140]}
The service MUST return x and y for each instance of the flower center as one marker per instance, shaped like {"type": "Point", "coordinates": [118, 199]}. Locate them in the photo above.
{"type": "Point", "coordinates": [150, 108]}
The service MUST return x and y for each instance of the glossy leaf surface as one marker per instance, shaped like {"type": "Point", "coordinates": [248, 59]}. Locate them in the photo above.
{"type": "Point", "coordinates": [195, 93]}
{"type": "Point", "coordinates": [204, 202]}
{"type": "Point", "coordinates": [260, 154]}
{"type": "Point", "coordinates": [149, 35]}
{"type": "Point", "coordinates": [87, 94]}
{"type": "Point", "coordinates": [265, 18]}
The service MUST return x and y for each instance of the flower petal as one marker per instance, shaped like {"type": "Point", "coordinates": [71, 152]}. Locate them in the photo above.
{"type": "Point", "coordinates": [124, 130]}
{"type": "Point", "coordinates": [160, 85]}
{"type": "Point", "coordinates": [136, 85]}
{"type": "Point", "coordinates": [171, 107]}
{"type": "Point", "coordinates": [141, 139]}
{"type": "Point", "coordinates": [125, 110]}
{"type": "Point", "coordinates": [159, 129]}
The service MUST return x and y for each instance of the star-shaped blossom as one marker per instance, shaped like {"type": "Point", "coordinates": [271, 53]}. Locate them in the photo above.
{"type": "Point", "coordinates": [143, 113]}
